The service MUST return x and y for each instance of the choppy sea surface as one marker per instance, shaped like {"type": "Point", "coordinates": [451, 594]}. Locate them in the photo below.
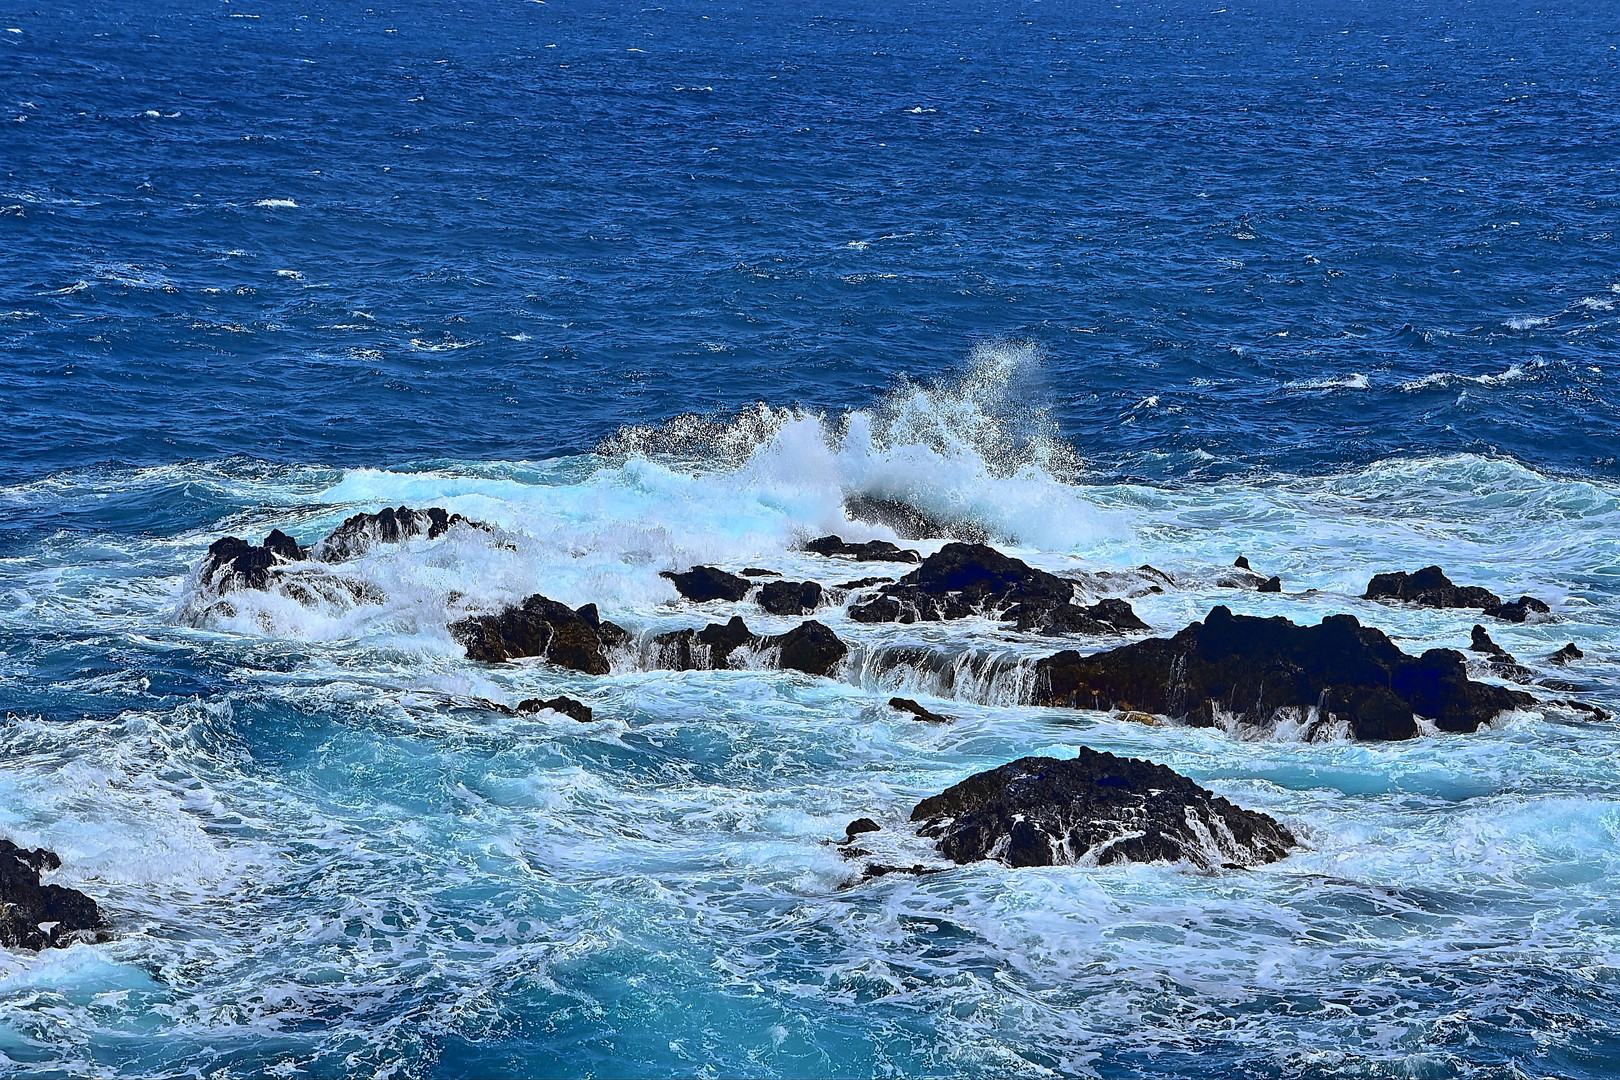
{"type": "Point", "coordinates": [1333, 286]}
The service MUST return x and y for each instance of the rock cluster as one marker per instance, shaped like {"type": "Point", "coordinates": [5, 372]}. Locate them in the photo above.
{"type": "Point", "coordinates": [1429, 587]}
{"type": "Point", "coordinates": [576, 638]}
{"type": "Point", "coordinates": [1244, 669]}
{"type": "Point", "coordinates": [835, 547]}
{"type": "Point", "coordinates": [703, 583]}
{"type": "Point", "coordinates": [809, 647]}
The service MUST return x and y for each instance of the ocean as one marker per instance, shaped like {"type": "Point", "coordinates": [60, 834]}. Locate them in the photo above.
{"type": "Point", "coordinates": [1330, 286]}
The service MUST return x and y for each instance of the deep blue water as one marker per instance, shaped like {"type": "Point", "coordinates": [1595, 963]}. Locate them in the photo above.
{"type": "Point", "coordinates": [1334, 285]}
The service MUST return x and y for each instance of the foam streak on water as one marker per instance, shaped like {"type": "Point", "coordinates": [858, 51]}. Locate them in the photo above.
{"type": "Point", "coordinates": [323, 854]}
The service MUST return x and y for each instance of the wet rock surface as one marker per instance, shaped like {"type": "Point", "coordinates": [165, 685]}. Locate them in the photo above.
{"type": "Point", "coordinates": [703, 583]}
{"type": "Point", "coordinates": [232, 563]}
{"type": "Point", "coordinates": [541, 627]}
{"type": "Point", "coordinates": [790, 597]}
{"type": "Point", "coordinates": [1110, 616]}
{"type": "Point", "coordinates": [1095, 808]}
{"type": "Point", "coordinates": [1429, 587]}
{"type": "Point", "coordinates": [1518, 610]}
{"type": "Point", "coordinates": [835, 547]}
{"type": "Point", "coordinates": [36, 916]}
{"type": "Point", "coordinates": [1568, 654]}
{"type": "Point", "coordinates": [1246, 670]}
{"type": "Point", "coordinates": [917, 710]}
{"type": "Point", "coordinates": [909, 522]}
{"type": "Point", "coordinates": [390, 525]}
{"type": "Point", "coordinates": [809, 647]}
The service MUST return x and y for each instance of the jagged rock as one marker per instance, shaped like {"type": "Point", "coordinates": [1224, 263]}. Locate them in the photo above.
{"type": "Point", "coordinates": [708, 583]}
{"type": "Point", "coordinates": [1518, 610]}
{"type": "Point", "coordinates": [1565, 655]}
{"type": "Point", "coordinates": [1429, 587]}
{"type": "Point", "coordinates": [565, 705]}
{"type": "Point", "coordinates": [863, 583]}
{"type": "Point", "coordinates": [1110, 616]}
{"type": "Point", "coordinates": [754, 571]}
{"type": "Point", "coordinates": [232, 563]}
{"type": "Point", "coordinates": [871, 551]}
{"type": "Point", "coordinates": [1271, 584]}
{"type": "Point", "coordinates": [1244, 669]}
{"type": "Point", "coordinates": [790, 597]}
{"type": "Point", "coordinates": [1095, 808]}
{"type": "Point", "coordinates": [809, 647]}
{"type": "Point", "coordinates": [1154, 571]}
{"type": "Point", "coordinates": [390, 525]}
{"type": "Point", "coordinates": [909, 522]}
{"type": "Point", "coordinates": [969, 579]}
{"type": "Point", "coordinates": [917, 710]}
{"type": "Point", "coordinates": [35, 916]}
{"type": "Point", "coordinates": [1482, 643]}
{"type": "Point", "coordinates": [1242, 563]}
{"type": "Point", "coordinates": [577, 639]}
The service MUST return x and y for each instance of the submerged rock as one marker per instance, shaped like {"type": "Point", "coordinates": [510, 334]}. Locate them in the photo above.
{"type": "Point", "coordinates": [542, 627]}
{"type": "Point", "coordinates": [1239, 669]}
{"type": "Point", "coordinates": [565, 705]}
{"type": "Point", "coordinates": [1518, 610]}
{"type": "Point", "coordinates": [703, 583]}
{"type": "Point", "coordinates": [809, 647]}
{"type": "Point", "coordinates": [908, 521]}
{"type": "Point", "coordinates": [1566, 655]}
{"type": "Point", "coordinates": [35, 916]}
{"type": "Point", "coordinates": [835, 547]}
{"type": "Point", "coordinates": [917, 710]}
{"type": "Point", "coordinates": [1429, 587]}
{"type": "Point", "coordinates": [757, 571]}
{"type": "Point", "coordinates": [790, 597]}
{"type": "Point", "coordinates": [1097, 809]}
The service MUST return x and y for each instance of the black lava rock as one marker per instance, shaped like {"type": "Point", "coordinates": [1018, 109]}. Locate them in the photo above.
{"type": "Point", "coordinates": [390, 525]}
{"type": "Point", "coordinates": [967, 579]}
{"type": "Point", "coordinates": [1248, 668]}
{"type": "Point", "coordinates": [871, 551]}
{"type": "Point", "coordinates": [790, 597]}
{"type": "Point", "coordinates": [1095, 808]}
{"type": "Point", "coordinates": [1429, 587]}
{"type": "Point", "coordinates": [565, 705]}
{"type": "Point", "coordinates": [1110, 616]}
{"type": "Point", "coordinates": [1565, 655]}
{"type": "Point", "coordinates": [809, 647]}
{"type": "Point", "coordinates": [859, 826]}
{"type": "Point", "coordinates": [232, 563]}
{"type": "Point", "coordinates": [909, 522]}
{"type": "Point", "coordinates": [917, 710]}
{"type": "Point", "coordinates": [1482, 643]}
{"type": "Point", "coordinates": [1271, 584]}
{"type": "Point", "coordinates": [708, 583]}
{"type": "Point", "coordinates": [545, 628]}
{"type": "Point", "coordinates": [35, 916]}
{"type": "Point", "coordinates": [755, 571]}
{"type": "Point", "coordinates": [1518, 610]}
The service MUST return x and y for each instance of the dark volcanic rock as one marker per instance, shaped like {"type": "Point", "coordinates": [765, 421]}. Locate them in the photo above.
{"type": "Point", "coordinates": [859, 826]}
{"type": "Point", "coordinates": [863, 583]}
{"type": "Point", "coordinates": [755, 571]}
{"type": "Point", "coordinates": [565, 705]}
{"type": "Point", "coordinates": [390, 525]}
{"type": "Point", "coordinates": [917, 710]}
{"type": "Point", "coordinates": [909, 522]}
{"type": "Point", "coordinates": [871, 551]}
{"type": "Point", "coordinates": [971, 579]}
{"type": "Point", "coordinates": [232, 563]}
{"type": "Point", "coordinates": [1565, 655]}
{"type": "Point", "coordinates": [790, 597]}
{"type": "Point", "coordinates": [1242, 563]}
{"type": "Point", "coordinates": [1095, 808]}
{"type": "Point", "coordinates": [1246, 669]}
{"type": "Point", "coordinates": [545, 628]}
{"type": "Point", "coordinates": [707, 583]}
{"type": "Point", "coordinates": [809, 647]}
{"type": "Point", "coordinates": [1429, 587]}
{"type": "Point", "coordinates": [1518, 610]}
{"type": "Point", "coordinates": [1110, 616]}
{"type": "Point", "coordinates": [1271, 584]}
{"type": "Point", "coordinates": [35, 916]}
{"type": "Point", "coordinates": [1482, 643]}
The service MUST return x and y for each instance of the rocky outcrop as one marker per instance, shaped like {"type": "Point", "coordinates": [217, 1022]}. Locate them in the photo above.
{"type": "Point", "coordinates": [917, 710]}
{"type": "Point", "coordinates": [1429, 587]}
{"type": "Point", "coordinates": [232, 563]}
{"type": "Point", "coordinates": [1568, 654]}
{"type": "Point", "coordinates": [1481, 642]}
{"type": "Point", "coordinates": [835, 547]}
{"type": "Point", "coordinates": [391, 525]}
{"type": "Point", "coordinates": [790, 597]}
{"type": "Point", "coordinates": [972, 579]}
{"type": "Point", "coordinates": [1238, 669]}
{"type": "Point", "coordinates": [572, 638]}
{"type": "Point", "coordinates": [909, 522]}
{"type": "Point", "coordinates": [1095, 809]}
{"type": "Point", "coordinates": [759, 571]}
{"type": "Point", "coordinates": [1243, 576]}
{"type": "Point", "coordinates": [703, 583]}
{"type": "Point", "coordinates": [35, 916]}
{"type": "Point", "coordinates": [809, 647]}
{"type": "Point", "coordinates": [1518, 610]}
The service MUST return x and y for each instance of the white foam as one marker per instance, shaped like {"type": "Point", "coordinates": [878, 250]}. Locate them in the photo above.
{"type": "Point", "coordinates": [277, 204]}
